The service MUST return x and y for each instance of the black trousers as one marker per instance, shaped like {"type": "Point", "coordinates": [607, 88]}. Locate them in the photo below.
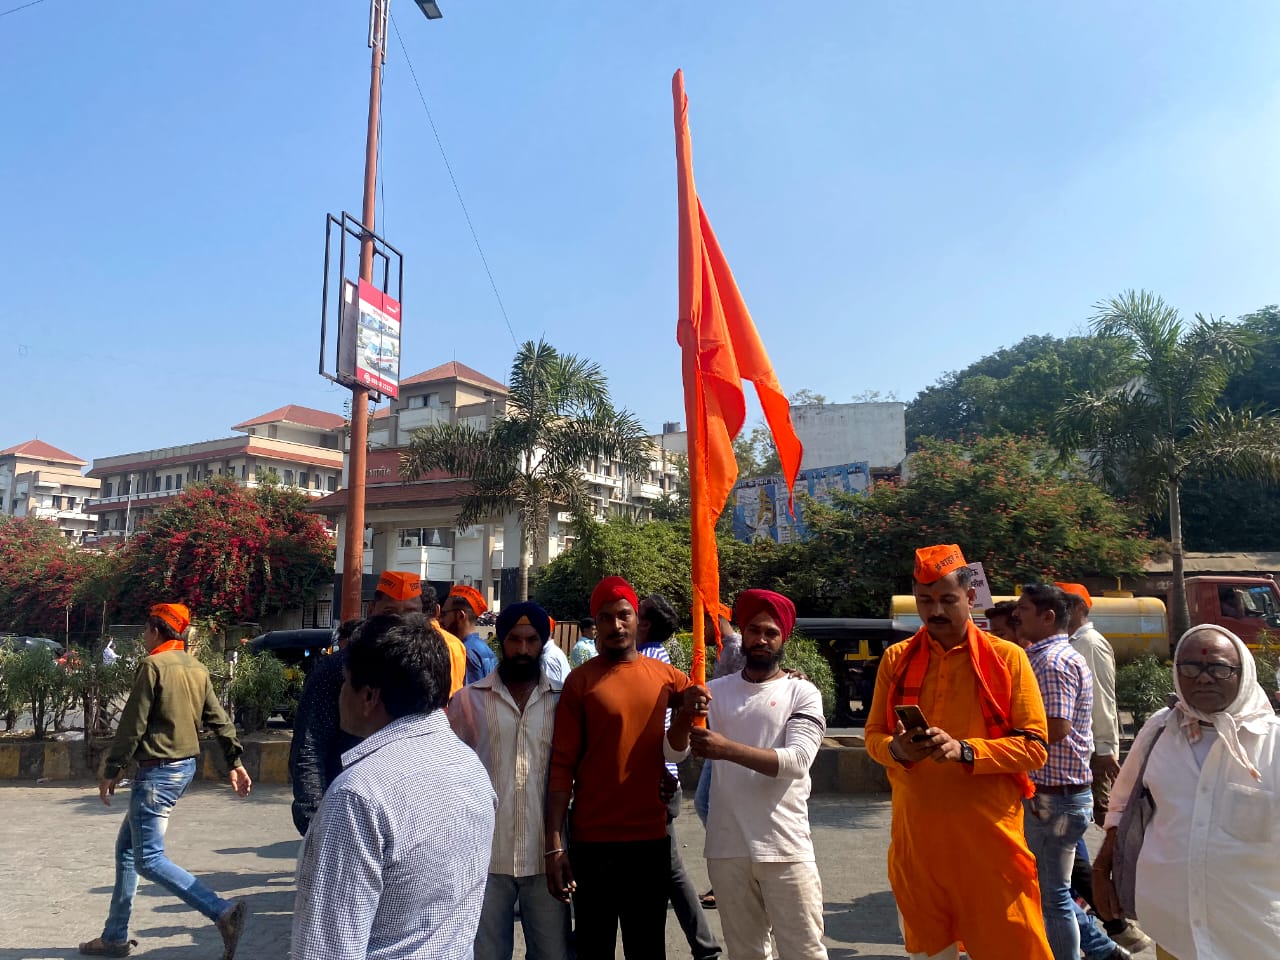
{"type": "Point", "coordinates": [621, 884]}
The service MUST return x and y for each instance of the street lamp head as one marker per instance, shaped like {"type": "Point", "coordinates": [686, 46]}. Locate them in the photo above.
{"type": "Point", "coordinates": [430, 9]}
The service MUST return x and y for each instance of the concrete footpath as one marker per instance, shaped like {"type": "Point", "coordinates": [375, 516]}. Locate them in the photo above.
{"type": "Point", "coordinates": [58, 841]}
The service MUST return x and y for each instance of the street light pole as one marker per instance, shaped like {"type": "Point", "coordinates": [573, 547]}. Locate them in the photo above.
{"type": "Point", "coordinates": [353, 546]}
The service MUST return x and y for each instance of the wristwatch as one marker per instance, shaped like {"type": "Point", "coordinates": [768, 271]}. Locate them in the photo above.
{"type": "Point", "coordinates": [966, 752]}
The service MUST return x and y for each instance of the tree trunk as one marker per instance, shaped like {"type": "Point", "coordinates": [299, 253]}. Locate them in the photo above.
{"type": "Point", "coordinates": [522, 584]}
{"type": "Point", "coordinates": [1179, 614]}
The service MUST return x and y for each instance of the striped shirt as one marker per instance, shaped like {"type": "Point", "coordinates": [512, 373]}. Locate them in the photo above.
{"type": "Point", "coordinates": [656, 651]}
{"type": "Point", "coordinates": [515, 747]}
{"type": "Point", "coordinates": [395, 863]}
{"type": "Point", "coordinates": [1067, 690]}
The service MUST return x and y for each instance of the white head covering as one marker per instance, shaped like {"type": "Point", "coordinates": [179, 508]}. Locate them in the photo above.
{"type": "Point", "coordinates": [1250, 706]}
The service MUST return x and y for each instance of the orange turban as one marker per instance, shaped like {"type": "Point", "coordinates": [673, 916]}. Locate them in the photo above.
{"type": "Point", "coordinates": [400, 586]}
{"type": "Point", "coordinates": [934, 563]}
{"type": "Point", "coordinates": [176, 615]}
{"type": "Point", "coordinates": [1079, 590]}
{"type": "Point", "coordinates": [471, 595]}
{"type": "Point", "coordinates": [611, 589]}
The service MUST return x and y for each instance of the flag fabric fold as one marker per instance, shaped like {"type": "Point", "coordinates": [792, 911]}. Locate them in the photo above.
{"type": "Point", "coordinates": [720, 348]}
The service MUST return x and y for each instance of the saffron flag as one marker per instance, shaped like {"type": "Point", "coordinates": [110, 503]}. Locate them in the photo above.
{"type": "Point", "coordinates": [719, 349]}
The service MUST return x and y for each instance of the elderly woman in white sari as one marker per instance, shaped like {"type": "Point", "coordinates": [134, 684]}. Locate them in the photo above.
{"type": "Point", "coordinates": [1208, 874]}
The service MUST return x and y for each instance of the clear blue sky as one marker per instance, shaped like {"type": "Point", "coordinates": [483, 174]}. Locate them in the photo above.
{"type": "Point", "coordinates": [900, 188]}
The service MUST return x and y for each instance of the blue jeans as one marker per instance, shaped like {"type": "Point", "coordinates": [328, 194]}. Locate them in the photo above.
{"type": "Point", "coordinates": [140, 849]}
{"type": "Point", "coordinates": [545, 919]}
{"type": "Point", "coordinates": [1054, 824]}
{"type": "Point", "coordinates": [702, 797]}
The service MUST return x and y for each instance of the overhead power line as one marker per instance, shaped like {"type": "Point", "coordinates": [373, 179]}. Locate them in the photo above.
{"type": "Point", "coordinates": [5, 13]}
{"type": "Point", "coordinates": [454, 180]}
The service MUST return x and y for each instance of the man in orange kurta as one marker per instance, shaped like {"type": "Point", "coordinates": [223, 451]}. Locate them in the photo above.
{"type": "Point", "coordinates": [959, 865]}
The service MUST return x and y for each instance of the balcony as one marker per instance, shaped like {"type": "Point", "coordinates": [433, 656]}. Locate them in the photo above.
{"type": "Point", "coordinates": [124, 499]}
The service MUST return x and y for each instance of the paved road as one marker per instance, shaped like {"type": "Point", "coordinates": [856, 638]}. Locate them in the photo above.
{"type": "Point", "coordinates": [58, 873]}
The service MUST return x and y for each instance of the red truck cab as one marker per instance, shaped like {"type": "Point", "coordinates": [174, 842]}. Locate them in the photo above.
{"type": "Point", "coordinates": [1247, 606]}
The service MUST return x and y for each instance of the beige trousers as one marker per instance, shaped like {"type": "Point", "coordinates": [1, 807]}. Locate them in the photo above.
{"type": "Point", "coordinates": [756, 899]}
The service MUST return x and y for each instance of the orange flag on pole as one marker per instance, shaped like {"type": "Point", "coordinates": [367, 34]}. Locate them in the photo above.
{"type": "Point", "coordinates": [719, 349]}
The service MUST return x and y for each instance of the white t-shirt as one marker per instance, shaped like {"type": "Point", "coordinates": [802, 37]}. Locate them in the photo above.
{"type": "Point", "coordinates": [754, 816]}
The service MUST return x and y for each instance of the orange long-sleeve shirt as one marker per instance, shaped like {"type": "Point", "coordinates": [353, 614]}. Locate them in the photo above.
{"type": "Point", "coordinates": [959, 864]}
{"type": "Point", "coordinates": [607, 747]}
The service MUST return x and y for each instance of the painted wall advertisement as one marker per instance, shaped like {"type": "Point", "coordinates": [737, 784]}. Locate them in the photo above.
{"type": "Point", "coordinates": [369, 339]}
{"type": "Point", "coordinates": [760, 506]}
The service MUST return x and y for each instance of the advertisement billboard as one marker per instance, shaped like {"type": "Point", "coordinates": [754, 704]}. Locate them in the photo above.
{"type": "Point", "coordinates": [369, 339]}
{"type": "Point", "coordinates": [760, 506]}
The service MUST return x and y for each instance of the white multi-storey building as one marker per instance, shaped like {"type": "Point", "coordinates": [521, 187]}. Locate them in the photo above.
{"type": "Point", "coordinates": [39, 480]}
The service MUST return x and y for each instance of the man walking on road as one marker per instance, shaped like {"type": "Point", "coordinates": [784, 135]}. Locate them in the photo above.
{"type": "Point", "coordinates": [395, 863]}
{"type": "Point", "coordinates": [959, 864]}
{"type": "Point", "coordinates": [763, 730]}
{"type": "Point", "coordinates": [171, 701]}
{"type": "Point", "coordinates": [507, 718]}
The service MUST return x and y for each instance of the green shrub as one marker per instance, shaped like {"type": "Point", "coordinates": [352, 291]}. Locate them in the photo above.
{"type": "Point", "coordinates": [259, 687]}
{"type": "Point", "coordinates": [1143, 686]}
{"type": "Point", "coordinates": [215, 661]}
{"type": "Point", "coordinates": [38, 682]}
{"type": "Point", "coordinates": [800, 653]}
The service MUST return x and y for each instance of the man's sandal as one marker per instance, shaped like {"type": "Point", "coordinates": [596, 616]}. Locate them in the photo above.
{"type": "Point", "coordinates": [97, 947]}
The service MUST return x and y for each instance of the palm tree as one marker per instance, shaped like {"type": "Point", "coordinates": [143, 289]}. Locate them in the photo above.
{"type": "Point", "coordinates": [558, 416]}
{"type": "Point", "coordinates": [1143, 438]}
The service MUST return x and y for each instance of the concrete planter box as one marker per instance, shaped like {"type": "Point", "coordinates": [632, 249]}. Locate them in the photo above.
{"type": "Point", "coordinates": [842, 765]}
{"type": "Point", "coordinates": [266, 757]}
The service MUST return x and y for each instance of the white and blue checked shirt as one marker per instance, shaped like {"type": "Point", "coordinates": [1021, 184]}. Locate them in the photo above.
{"type": "Point", "coordinates": [395, 863]}
{"type": "Point", "coordinates": [656, 651]}
{"type": "Point", "coordinates": [1066, 687]}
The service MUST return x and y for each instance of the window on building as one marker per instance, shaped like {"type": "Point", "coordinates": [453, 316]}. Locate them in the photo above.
{"type": "Point", "coordinates": [127, 486]}
{"type": "Point", "coordinates": [244, 471]}
{"type": "Point", "coordinates": [288, 478]}
{"type": "Point", "coordinates": [410, 537]}
{"type": "Point", "coordinates": [107, 492]}
{"type": "Point", "coordinates": [178, 485]}
{"type": "Point", "coordinates": [331, 484]}
{"type": "Point", "coordinates": [71, 503]}
{"type": "Point", "coordinates": [57, 503]}
{"type": "Point", "coordinates": [303, 479]}
{"type": "Point", "coordinates": [168, 482]}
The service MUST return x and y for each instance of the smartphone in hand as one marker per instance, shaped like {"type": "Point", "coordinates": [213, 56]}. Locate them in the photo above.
{"type": "Point", "coordinates": [913, 719]}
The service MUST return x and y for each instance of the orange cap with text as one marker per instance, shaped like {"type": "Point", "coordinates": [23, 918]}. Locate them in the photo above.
{"type": "Point", "coordinates": [400, 586]}
{"type": "Point", "coordinates": [471, 595]}
{"type": "Point", "coordinates": [1079, 590]}
{"type": "Point", "coordinates": [176, 615]}
{"type": "Point", "coordinates": [934, 563]}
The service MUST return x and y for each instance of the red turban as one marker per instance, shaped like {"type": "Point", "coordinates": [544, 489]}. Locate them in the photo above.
{"type": "Point", "coordinates": [176, 615]}
{"type": "Point", "coordinates": [610, 589]}
{"type": "Point", "coordinates": [471, 595]}
{"type": "Point", "coordinates": [752, 603]}
{"type": "Point", "coordinates": [400, 586]}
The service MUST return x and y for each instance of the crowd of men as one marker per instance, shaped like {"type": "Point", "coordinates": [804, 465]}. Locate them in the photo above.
{"type": "Point", "coordinates": [446, 792]}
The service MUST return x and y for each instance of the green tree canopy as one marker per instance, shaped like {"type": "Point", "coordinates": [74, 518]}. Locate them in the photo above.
{"type": "Point", "coordinates": [1017, 389]}
{"type": "Point", "coordinates": [1001, 499]}
{"type": "Point", "coordinates": [1168, 423]}
{"type": "Point", "coordinates": [558, 417]}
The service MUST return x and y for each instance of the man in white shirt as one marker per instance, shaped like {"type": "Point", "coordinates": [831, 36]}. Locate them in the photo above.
{"type": "Point", "coordinates": [508, 719]}
{"type": "Point", "coordinates": [1101, 660]}
{"type": "Point", "coordinates": [764, 730]}
{"type": "Point", "coordinates": [394, 863]}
